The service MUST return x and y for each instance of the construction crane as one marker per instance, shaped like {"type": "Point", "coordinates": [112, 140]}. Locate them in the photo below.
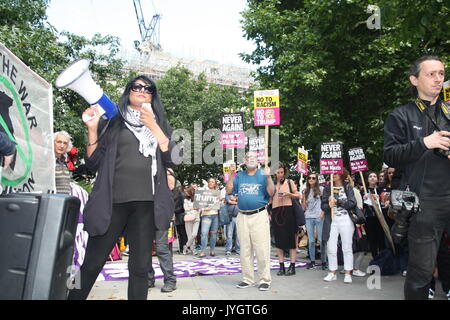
{"type": "Point", "coordinates": [149, 33]}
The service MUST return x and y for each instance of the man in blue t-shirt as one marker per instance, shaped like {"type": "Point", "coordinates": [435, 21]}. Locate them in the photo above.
{"type": "Point", "coordinates": [254, 189]}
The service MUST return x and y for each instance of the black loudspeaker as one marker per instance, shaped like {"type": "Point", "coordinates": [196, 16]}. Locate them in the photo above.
{"type": "Point", "coordinates": [37, 235]}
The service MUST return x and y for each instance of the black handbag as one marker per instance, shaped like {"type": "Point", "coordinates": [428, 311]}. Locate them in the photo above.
{"type": "Point", "coordinates": [357, 216]}
{"type": "Point", "coordinates": [298, 209]}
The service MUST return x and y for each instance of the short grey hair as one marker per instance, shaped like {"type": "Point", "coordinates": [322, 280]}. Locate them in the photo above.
{"type": "Point", "coordinates": [67, 135]}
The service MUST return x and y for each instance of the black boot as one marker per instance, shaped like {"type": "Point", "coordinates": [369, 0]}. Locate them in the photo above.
{"type": "Point", "coordinates": [282, 271]}
{"type": "Point", "coordinates": [291, 270]}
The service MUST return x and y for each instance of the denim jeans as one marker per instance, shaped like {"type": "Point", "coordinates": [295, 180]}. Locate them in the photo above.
{"type": "Point", "coordinates": [230, 231]}
{"type": "Point", "coordinates": [209, 224]}
{"type": "Point", "coordinates": [310, 224]}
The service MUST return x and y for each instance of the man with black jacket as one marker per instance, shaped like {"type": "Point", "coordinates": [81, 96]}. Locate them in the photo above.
{"type": "Point", "coordinates": [415, 138]}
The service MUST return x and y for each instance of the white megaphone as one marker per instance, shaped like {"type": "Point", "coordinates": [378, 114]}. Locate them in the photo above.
{"type": "Point", "coordinates": [78, 78]}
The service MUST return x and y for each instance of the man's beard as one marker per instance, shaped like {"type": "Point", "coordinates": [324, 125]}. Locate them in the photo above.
{"type": "Point", "coordinates": [252, 165]}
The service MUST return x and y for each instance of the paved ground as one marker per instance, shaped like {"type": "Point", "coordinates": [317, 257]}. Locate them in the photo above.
{"type": "Point", "coordinates": [305, 285]}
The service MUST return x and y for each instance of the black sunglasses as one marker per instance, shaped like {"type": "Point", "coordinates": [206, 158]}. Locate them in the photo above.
{"type": "Point", "coordinates": [312, 178]}
{"type": "Point", "coordinates": [137, 87]}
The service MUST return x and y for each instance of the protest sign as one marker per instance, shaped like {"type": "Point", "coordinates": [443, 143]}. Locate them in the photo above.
{"type": "Point", "coordinates": [331, 160]}
{"type": "Point", "coordinates": [232, 122]}
{"type": "Point", "coordinates": [256, 144]}
{"type": "Point", "coordinates": [358, 161]}
{"type": "Point", "coordinates": [267, 108]}
{"type": "Point", "coordinates": [302, 161]}
{"type": "Point", "coordinates": [26, 116]}
{"type": "Point", "coordinates": [207, 199]}
{"type": "Point", "coordinates": [226, 171]}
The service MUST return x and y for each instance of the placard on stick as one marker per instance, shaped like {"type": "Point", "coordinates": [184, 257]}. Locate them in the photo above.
{"type": "Point", "coordinates": [358, 161]}
{"type": "Point", "coordinates": [256, 144]}
{"type": "Point", "coordinates": [331, 160]}
{"type": "Point", "coordinates": [232, 128]}
{"type": "Point", "coordinates": [302, 161]}
{"type": "Point", "coordinates": [267, 107]}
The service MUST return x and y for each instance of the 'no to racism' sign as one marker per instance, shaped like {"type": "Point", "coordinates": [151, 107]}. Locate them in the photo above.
{"type": "Point", "coordinates": [331, 160]}
{"type": "Point", "coordinates": [358, 162]}
{"type": "Point", "coordinates": [232, 127]}
{"type": "Point", "coordinates": [267, 107]}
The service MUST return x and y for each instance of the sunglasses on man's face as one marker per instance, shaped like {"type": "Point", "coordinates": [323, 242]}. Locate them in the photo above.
{"type": "Point", "coordinates": [137, 87]}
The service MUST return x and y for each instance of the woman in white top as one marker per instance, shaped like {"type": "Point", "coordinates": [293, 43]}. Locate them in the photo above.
{"type": "Point", "coordinates": [191, 220]}
{"type": "Point", "coordinates": [342, 199]}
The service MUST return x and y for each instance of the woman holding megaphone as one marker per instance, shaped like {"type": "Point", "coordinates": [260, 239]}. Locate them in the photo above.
{"type": "Point", "coordinates": [130, 152]}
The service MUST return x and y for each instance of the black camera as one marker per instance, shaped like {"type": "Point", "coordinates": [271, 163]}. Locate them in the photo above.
{"type": "Point", "coordinates": [406, 203]}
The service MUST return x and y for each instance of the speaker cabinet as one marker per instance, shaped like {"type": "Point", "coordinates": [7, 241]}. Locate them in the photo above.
{"type": "Point", "coordinates": [37, 234]}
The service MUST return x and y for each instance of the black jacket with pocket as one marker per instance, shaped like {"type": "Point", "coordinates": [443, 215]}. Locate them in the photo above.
{"type": "Point", "coordinates": [427, 173]}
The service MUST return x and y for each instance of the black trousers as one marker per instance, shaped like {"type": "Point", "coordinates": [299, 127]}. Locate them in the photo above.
{"type": "Point", "coordinates": [182, 236]}
{"type": "Point", "coordinates": [424, 237]}
{"type": "Point", "coordinates": [375, 235]}
{"type": "Point", "coordinates": [139, 221]}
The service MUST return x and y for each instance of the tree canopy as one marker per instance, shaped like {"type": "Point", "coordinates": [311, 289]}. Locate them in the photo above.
{"type": "Point", "coordinates": [338, 80]}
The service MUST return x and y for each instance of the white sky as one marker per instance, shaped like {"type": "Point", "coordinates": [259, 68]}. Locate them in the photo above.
{"type": "Point", "coordinates": [201, 29]}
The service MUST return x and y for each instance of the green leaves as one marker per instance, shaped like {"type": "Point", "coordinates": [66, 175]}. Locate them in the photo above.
{"type": "Point", "coordinates": [338, 79]}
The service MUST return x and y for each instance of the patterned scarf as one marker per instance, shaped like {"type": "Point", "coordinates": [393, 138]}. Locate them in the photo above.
{"type": "Point", "coordinates": [147, 141]}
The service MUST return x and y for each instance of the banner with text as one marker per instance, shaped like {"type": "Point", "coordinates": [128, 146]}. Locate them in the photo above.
{"type": "Point", "coordinates": [358, 161]}
{"type": "Point", "coordinates": [267, 107]}
{"type": "Point", "coordinates": [207, 199]}
{"type": "Point", "coordinates": [26, 116]}
{"type": "Point", "coordinates": [302, 161]}
{"type": "Point", "coordinates": [331, 160]}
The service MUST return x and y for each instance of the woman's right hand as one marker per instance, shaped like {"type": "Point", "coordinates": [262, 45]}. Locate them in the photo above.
{"type": "Point", "coordinates": [92, 117]}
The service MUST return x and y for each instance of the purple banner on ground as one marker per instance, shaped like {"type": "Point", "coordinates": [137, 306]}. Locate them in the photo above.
{"type": "Point", "coordinates": [115, 271]}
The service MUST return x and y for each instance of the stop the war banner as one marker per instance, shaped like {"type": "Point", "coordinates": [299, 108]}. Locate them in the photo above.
{"type": "Point", "coordinates": [358, 161]}
{"type": "Point", "coordinates": [26, 116]}
{"type": "Point", "coordinates": [232, 127]}
{"type": "Point", "coordinates": [267, 108]}
{"type": "Point", "coordinates": [331, 160]}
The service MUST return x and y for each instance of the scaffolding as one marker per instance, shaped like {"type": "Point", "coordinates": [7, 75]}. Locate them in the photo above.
{"type": "Point", "coordinates": [155, 63]}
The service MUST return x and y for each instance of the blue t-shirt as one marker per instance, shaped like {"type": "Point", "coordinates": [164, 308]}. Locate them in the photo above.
{"type": "Point", "coordinates": [251, 190]}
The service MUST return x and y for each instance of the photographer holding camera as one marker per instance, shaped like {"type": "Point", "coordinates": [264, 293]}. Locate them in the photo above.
{"type": "Point", "coordinates": [417, 141]}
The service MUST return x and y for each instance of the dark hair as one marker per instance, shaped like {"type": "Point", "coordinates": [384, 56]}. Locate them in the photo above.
{"type": "Point", "coordinates": [157, 105]}
{"type": "Point", "coordinates": [190, 192]}
{"type": "Point", "coordinates": [368, 174]}
{"type": "Point", "coordinates": [415, 69]}
{"type": "Point", "coordinates": [316, 187]}
{"type": "Point", "coordinates": [281, 165]}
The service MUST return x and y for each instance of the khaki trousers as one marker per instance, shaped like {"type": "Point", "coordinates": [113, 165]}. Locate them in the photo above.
{"type": "Point", "coordinates": [254, 237]}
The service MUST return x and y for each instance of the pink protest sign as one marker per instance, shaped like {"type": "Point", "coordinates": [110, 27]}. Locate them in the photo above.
{"type": "Point", "coordinates": [232, 140]}
{"type": "Point", "coordinates": [266, 116]}
{"type": "Point", "coordinates": [256, 144]}
{"type": "Point", "coordinates": [331, 160]}
{"type": "Point", "coordinates": [358, 162]}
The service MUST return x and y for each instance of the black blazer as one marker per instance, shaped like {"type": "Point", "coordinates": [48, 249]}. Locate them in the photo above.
{"type": "Point", "coordinates": [350, 203]}
{"type": "Point", "coordinates": [98, 209]}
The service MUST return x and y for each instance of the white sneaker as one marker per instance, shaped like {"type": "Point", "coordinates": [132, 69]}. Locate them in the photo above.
{"type": "Point", "coordinates": [358, 273]}
{"type": "Point", "coordinates": [348, 278]}
{"type": "Point", "coordinates": [404, 273]}
{"type": "Point", "coordinates": [330, 277]}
